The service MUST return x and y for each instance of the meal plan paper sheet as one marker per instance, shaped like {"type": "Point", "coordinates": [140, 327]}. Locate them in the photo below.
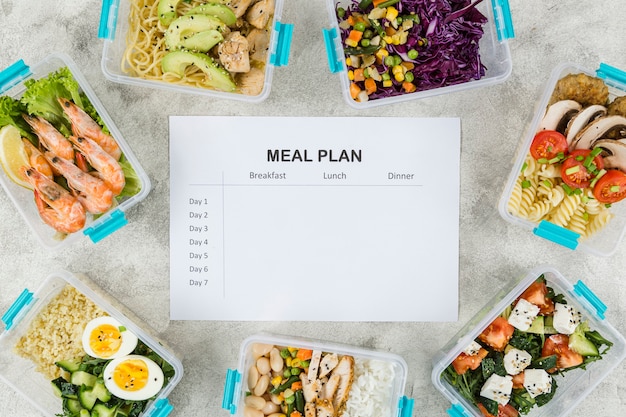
{"type": "Point", "coordinates": [316, 219]}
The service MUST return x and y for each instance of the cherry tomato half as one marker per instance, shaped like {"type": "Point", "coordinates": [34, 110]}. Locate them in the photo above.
{"type": "Point", "coordinates": [574, 172]}
{"type": "Point", "coordinates": [611, 187]}
{"type": "Point", "coordinates": [547, 144]}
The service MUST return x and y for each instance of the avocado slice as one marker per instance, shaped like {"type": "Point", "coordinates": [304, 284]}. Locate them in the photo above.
{"type": "Point", "coordinates": [202, 41]}
{"type": "Point", "coordinates": [221, 11]}
{"type": "Point", "coordinates": [218, 78]}
{"type": "Point", "coordinates": [167, 11]}
{"type": "Point", "coordinates": [186, 26]}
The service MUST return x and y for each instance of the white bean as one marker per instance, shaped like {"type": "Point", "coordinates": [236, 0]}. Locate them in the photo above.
{"type": "Point", "coordinates": [263, 365]}
{"type": "Point", "coordinates": [253, 377]}
{"type": "Point", "coordinates": [262, 385]}
{"type": "Point", "coordinates": [251, 412]}
{"type": "Point", "coordinates": [258, 403]}
{"type": "Point", "coordinates": [260, 349]}
{"type": "Point", "coordinates": [275, 399]}
{"type": "Point", "coordinates": [276, 361]}
{"type": "Point", "coordinates": [270, 408]}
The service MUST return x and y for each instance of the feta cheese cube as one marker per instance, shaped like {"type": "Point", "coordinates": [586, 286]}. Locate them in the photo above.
{"type": "Point", "coordinates": [537, 382]}
{"type": "Point", "coordinates": [498, 388]}
{"type": "Point", "coordinates": [566, 318]}
{"type": "Point", "coordinates": [472, 349]}
{"type": "Point", "coordinates": [523, 315]}
{"type": "Point", "coordinates": [516, 360]}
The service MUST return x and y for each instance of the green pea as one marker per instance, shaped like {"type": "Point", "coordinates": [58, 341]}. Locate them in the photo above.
{"type": "Point", "coordinates": [284, 353]}
{"type": "Point", "coordinates": [409, 77]}
{"type": "Point", "coordinates": [360, 26]}
{"type": "Point", "coordinates": [341, 12]}
{"type": "Point", "coordinates": [386, 76]}
{"type": "Point", "coordinates": [389, 60]}
{"type": "Point", "coordinates": [397, 60]}
{"type": "Point", "coordinates": [412, 54]}
{"type": "Point", "coordinates": [287, 373]}
{"type": "Point", "coordinates": [399, 20]}
{"type": "Point", "coordinates": [368, 34]}
{"type": "Point", "coordinates": [290, 400]}
{"type": "Point", "coordinates": [295, 371]}
{"type": "Point", "coordinates": [365, 42]}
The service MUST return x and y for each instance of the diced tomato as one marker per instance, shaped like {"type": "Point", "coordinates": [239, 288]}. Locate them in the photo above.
{"type": "Point", "coordinates": [497, 334]}
{"type": "Point", "coordinates": [547, 144]}
{"type": "Point", "coordinates": [503, 411]}
{"type": "Point", "coordinates": [558, 344]}
{"type": "Point", "coordinates": [536, 294]}
{"type": "Point", "coordinates": [577, 171]}
{"type": "Point", "coordinates": [464, 362]}
{"type": "Point", "coordinates": [518, 381]}
{"type": "Point", "coordinates": [611, 187]}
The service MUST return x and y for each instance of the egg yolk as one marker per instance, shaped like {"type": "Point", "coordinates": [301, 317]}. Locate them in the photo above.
{"type": "Point", "coordinates": [131, 375]}
{"type": "Point", "coordinates": [105, 340]}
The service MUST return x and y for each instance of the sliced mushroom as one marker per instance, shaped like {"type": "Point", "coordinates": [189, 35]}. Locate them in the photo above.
{"type": "Point", "coordinates": [558, 115]}
{"type": "Point", "coordinates": [598, 129]}
{"type": "Point", "coordinates": [614, 153]}
{"type": "Point", "coordinates": [582, 119]}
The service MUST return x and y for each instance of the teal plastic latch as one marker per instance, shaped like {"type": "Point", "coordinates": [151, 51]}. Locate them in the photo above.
{"type": "Point", "coordinates": [456, 411]}
{"type": "Point", "coordinates": [115, 222]}
{"type": "Point", "coordinates": [280, 57]}
{"type": "Point", "coordinates": [610, 73]}
{"type": "Point", "coordinates": [230, 386]}
{"type": "Point", "coordinates": [108, 19]}
{"type": "Point", "coordinates": [162, 408]}
{"type": "Point", "coordinates": [334, 63]}
{"type": "Point", "coordinates": [503, 20]}
{"type": "Point", "coordinates": [405, 407]}
{"type": "Point", "coordinates": [13, 75]}
{"type": "Point", "coordinates": [581, 289]}
{"type": "Point", "coordinates": [557, 234]}
{"type": "Point", "coordinates": [22, 302]}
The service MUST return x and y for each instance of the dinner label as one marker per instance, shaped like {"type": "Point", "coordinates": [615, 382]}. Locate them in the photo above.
{"type": "Point", "coordinates": [317, 219]}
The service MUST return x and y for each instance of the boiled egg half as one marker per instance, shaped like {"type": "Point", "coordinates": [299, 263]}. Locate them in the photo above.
{"type": "Point", "coordinates": [133, 377]}
{"type": "Point", "coordinates": [106, 338]}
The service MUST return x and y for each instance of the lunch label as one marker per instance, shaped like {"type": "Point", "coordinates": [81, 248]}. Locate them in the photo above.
{"type": "Point", "coordinates": [317, 219]}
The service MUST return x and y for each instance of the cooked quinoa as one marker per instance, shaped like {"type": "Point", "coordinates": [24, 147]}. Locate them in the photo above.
{"type": "Point", "coordinates": [56, 333]}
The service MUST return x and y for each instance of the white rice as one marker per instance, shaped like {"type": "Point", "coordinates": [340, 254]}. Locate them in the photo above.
{"type": "Point", "coordinates": [370, 395]}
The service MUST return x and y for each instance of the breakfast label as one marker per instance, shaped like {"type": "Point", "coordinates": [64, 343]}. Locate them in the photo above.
{"type": "Point", "coordinates": [317, 219]}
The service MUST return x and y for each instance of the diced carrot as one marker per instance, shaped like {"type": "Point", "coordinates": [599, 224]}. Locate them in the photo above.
{"type": "Point", "coordinates": [354, 38]}
{"type": "Point", "coordinates": [354, 90]}
{"type": "Point", "coordinates": [359, 74]}
{"type": "Point", "coordinates": [351, 20]}
{"type": "Point", "coordinates": [408, 65]}
{"type": "Point", "coordinates": [370, 86]}
{"type": "Point", "coordinates": [389, 31]}
{"type": "Point", "coordinates": [377, 3]}
{"type": "Point", "coordinates": [409, 87]}
{"type": "Point", "coordinates": [295, 413]}
{"type": "Point", "coordinates": [296, 386]}
{"type": "Point", "coordinates": [304, 354]}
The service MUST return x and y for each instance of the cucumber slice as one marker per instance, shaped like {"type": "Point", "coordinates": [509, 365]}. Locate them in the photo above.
{"type": "Point", "coordinates": [86, 397]}
{"type": "Point", "coordinates": [83, 378]}
{"type": "Point", "coordinates": [71, 407]}
{"type": "Point", "coordinates": [64, 389]}
{"type": "Point", "coordinates": [68, 365]}
{"type": "Point", "coordinates": [537, 326]}
{"type": "Point", "coordinates": [101, 410]}
{"type": "Point", "coordinates": [100, 391]}
{"type": "Point", "coordinates": [581, 345]}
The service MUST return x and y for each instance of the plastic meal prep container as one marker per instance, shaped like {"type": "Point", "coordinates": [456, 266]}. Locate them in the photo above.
{"type": "Point", "coordinates": [534, 197]}
{"type": "Point", "coordinates": [269, 363]}
{"type": "Point", "coordinates": [21, 373]}
{"type": "Point", "coordinates": [573, 385]}
{"type": "Point", "coordinates": [12, 81]}
{"type": "Point", "coordinates": [493, 48]}
{"type": "Point", "coordinates": [114, 30]}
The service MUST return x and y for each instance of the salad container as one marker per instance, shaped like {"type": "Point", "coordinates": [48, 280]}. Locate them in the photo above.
{"type": "Point", "coordinates": [279, 374]}
{"type": "Point", "coordinates": [546, 192]}
{"type": "Point", "coordinates": [123, 31]}
{"type": "Point", "coordinates": [416, 55]}
{"type": "Point", "coordinates": [40, 324]}
{"type": "Point", "coordinates": [544, 383]}
{"type": "Point", "coordinates": [13, 85]}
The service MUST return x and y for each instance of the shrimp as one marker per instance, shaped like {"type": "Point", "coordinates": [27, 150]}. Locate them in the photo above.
{"type": "Point", "coordinates": [57, 207]}
{"type": "Point", "coordinates": [84, 126]}
{"type": "Point", "coordinates": [92, 192]}
{"type": "Point", "coordinates": [107, 168]}
{"type": "Point", "coordinates": [50, 137]}
{"type": "Point", "coordinates": [37, 160]}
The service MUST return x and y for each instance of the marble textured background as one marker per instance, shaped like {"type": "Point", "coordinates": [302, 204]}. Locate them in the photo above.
{"type": "Point", "coordinates": [133, 264]}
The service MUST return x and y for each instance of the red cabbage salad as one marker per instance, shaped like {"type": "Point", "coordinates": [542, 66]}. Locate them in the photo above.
{"type": "Point", "coordinates": [395, 47]}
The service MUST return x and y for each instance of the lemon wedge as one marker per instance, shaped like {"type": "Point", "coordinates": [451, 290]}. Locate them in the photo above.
{"type": "Point", "coordinates": [13, 155]}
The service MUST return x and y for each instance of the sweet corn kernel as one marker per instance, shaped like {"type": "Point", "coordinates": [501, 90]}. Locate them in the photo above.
{"type": "Point", "coordinates": [289, 359]}
{"type": "Point", "coordinates": [349, 61]}
{"type": "Point", "coordinates": [351, 43]}
{"type": "Point", "coordinates": [397, 69]}
{"type": "Point", "coordinates": [381, 54]}
{"type": "Point", "coordinates": [276, 380]}
{"type": "Point", "coordinates": [388, 39]}
{"type": "Point", "coordinates": [387, 83]}
{"type": "Point", "coordinates": [392, 13]}
{"type": "Point", "coordinates": [351, 78]}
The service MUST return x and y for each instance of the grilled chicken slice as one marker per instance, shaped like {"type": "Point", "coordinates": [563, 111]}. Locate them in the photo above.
{"type": "Point", "coordinates": [259, 43]}
{"type": "Point", "coordinates": [259, 13]}
{"type": "Point", "coordinates": [234, 53]}
{"type": "Point", "coordinates": [310, 388]}
{"type": "Point", "coordinates": [324, 408]}
{"type": "Point", "coordinates": [331, 386]}
{"type": "Point", "coordinates": [345, 370]}
{"type": "Point", "coordinates": [328, 363]}
{"type": "Point", "coordinates": [251, 83]}
{"type": "Point", "coordinates": [314, 364]}
{"type": "Point", "coordinates": [239, 6]}
{"type": "Point", "coordinates": [309, 410]}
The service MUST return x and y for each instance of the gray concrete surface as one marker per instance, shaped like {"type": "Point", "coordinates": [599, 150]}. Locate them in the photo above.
{"type": "Point", "coordinates": [133, 264]}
